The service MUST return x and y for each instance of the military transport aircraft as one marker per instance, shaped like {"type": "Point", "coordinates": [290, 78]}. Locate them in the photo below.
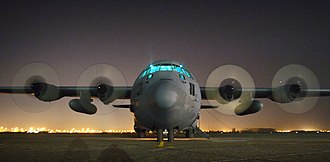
{"type": "Point", "coordinates": [166, 96]}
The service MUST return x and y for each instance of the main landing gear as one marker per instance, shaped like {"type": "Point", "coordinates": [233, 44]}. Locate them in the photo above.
{"type": "Point", "coordinates": [190, 132]}
{"type": "Point", "coordinates": [141, 134]}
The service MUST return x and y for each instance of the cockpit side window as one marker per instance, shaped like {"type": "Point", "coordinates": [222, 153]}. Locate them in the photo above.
{"type": "Point", "coordinates": [192, 89]}
{"type": "Point", "coordinates": [182, 77]}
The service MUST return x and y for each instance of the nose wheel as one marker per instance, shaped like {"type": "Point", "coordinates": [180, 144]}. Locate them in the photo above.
{"type": "Point", "coordinates": [170, 135]}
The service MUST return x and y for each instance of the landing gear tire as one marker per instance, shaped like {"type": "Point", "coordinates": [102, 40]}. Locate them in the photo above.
{"type": "Point", "coordinates": [141, 134]}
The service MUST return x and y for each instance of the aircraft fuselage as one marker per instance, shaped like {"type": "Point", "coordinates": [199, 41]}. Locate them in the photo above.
{"type": "Point", "coordinates": [165, 96]}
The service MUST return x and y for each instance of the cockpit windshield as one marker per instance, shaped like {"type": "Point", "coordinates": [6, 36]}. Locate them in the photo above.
{"type": "Point", "coordinates": [165, 67]}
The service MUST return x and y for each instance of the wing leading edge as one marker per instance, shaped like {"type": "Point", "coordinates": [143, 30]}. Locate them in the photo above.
{"type": "Point", "coordinates": [69, 91]}
{"type": "Point", "coordinates": [47, 92]}
{"type": "Point", "coordinates": [283, 94]}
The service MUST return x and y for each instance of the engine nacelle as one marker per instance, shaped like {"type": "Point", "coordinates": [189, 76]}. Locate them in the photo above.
{"type": "Point", "coordinates": [105, 93]}
{"type": "Point", "coordinates": [230, 89]}
{"type": "Point", "coordinates": [82, 106]}
{"type": "Point", "coordinates": [253, 108]}
{"type": "Point", "coordinates": [230, 93]}
{"type": "Point", "coordinates": [286, 93]}
{"type": "Point", "coordinates": [46, 92]}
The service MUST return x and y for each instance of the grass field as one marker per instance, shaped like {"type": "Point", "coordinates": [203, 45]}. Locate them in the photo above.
{"type": "Point", "coordinates": [220, 147]}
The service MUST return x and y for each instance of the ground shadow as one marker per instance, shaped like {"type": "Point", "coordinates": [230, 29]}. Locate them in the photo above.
{"type": "Point", "coordinates": [115, 154]}
{"type": "Point", "coordinates": [77, 150]}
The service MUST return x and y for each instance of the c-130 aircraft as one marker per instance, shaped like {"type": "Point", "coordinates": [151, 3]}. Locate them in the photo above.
{"type": "Point", "coordinates": [166, 96]}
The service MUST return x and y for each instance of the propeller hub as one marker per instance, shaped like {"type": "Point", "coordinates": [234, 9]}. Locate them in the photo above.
{"type": "Point", "coordinates": [37, 88]}
{"type": "Point", "coordinates": [102, 89]}
{"type": "Point", "coordinates": [295, 89]}
{"type": "Point", "coordinates": [230, 89]}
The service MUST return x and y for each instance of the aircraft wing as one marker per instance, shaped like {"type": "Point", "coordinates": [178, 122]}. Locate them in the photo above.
{"type": "Point", "coordinates": [247, 97]}
{"type": "Point", "coordinates": [47, 92]}
{"type": "Point", "coordinates": [68, 91]}
{"type": "Point", "coordinates": [270, 93]}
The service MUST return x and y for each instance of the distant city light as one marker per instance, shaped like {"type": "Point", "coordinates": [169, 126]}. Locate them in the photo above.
{"type": "Point", "coordinates": [73, 130]}
{"type": "Point", "coordinates": [95, 131]}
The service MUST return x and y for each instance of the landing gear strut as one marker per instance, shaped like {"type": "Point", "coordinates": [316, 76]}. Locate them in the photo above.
{"type": "Point", "coordinates": [190, 132]}
{"type": "Point", "coordinates": [159, 135]}
{"type": "Point", "coordinates": [170, 135]}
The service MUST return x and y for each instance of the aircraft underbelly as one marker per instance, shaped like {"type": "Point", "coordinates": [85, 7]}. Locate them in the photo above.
{"type": "Point", "coordinates": [179, 118]}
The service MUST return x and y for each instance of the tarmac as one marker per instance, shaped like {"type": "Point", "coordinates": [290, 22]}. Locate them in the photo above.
{"type": "Point", "coordinates": [125, 147]}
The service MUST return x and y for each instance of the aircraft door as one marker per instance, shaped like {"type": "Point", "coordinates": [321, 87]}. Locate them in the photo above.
{"type": "Point", "coordinates": [192, 91]}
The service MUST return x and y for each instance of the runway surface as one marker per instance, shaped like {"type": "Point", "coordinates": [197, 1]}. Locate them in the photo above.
{"type": "Point", "coordinates": [220, 147]}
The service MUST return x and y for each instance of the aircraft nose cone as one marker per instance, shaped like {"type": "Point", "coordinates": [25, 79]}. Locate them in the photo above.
{"type": "Point", "coordinates": [166, 104]}
{"type": "Point", "coordinates": [166, 97]}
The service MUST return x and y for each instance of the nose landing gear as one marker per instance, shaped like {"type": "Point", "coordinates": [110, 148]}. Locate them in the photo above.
{"type": "Point", "coordinates": [159, 135]}
{"type": "Point", "coordinates": [170, 135]}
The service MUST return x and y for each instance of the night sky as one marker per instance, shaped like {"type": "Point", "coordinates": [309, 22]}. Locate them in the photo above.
{"type": "Point", "coordinates": [260, 36]}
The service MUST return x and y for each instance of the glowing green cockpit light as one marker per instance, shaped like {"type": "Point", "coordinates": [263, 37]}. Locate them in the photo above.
{"type": "Point", "coordinates": [154, 69]}
{"type": "Point", "coordinates": [165, 67]}
{"type": "Point", "coordinates": [150, 76]}
{"type": "Point", "coordinates": [182, 76]}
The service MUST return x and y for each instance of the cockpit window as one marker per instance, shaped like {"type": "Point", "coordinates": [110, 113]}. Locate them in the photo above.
{"type": "Point", "coordinates": [182, 77]}
{"type": "Point", "coordinates": [165, 67]}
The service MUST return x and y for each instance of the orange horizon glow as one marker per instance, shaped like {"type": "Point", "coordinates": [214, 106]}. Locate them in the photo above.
{"type": "Point", "coordinates": [91, 130]}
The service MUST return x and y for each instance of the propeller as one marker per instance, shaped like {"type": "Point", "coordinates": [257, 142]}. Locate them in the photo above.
{"type": "Point", "coordinates": [289, 86]}
{"type": "Point", "coordinates": [232, 87]}
{"type": "Point", "coordinates": [103, 77]}
{"type": "Point", "coordinates": [34, 76]}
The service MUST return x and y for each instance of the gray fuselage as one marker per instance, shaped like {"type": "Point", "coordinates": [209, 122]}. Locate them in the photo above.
{"type": "Point", "coordinates": [165, 96]}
